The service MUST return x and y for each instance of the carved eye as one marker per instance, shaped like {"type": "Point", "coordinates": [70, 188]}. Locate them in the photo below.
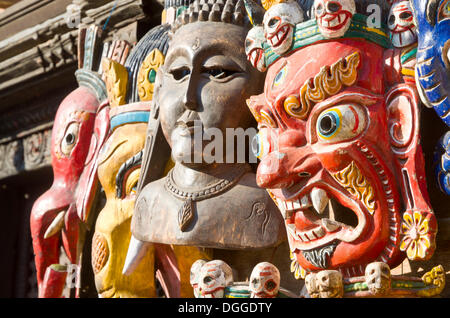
{"type": "Point", "coordinates": [270, 285]}
{"type": "Point", "coordinates": [180, 73]}
{"type": "Point", "coordinates": [405, 15]}
{"type": "Point", "coordinates": [279, 78]}
{"type": "Point", "coordinates": [261, 143]}
{"type": "Point", "coordinates": [128, 176]}
{"type": "Point", "coordinates": [248, 43]}
{"type": "Point", "coordinates": [219, 73]}
{"type": "Point", "coordinates": [207, 280]}
{"type": "Point", "coordinates": [70, 138]}
{"type": "Point", "coordinates": [319, 9]}
{"type": "Point", "coordinates": [391, 19]}
{"type": "Point", "coordinates": [340, 123]}
{"type": "Point", "coordinates": [273, 22]}
{"type": "Point", "coordinates": [444, 11]}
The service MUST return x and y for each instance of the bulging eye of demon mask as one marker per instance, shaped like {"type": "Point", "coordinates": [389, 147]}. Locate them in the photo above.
{"type": "Point", "coordinates": [335, 149]}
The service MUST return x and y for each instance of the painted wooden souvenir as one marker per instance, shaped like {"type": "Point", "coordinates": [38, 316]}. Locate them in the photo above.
{"type": "Point", "coordinates": [214, 276]}
{"type": "Point", "coordinates": [340, 152]}
{"type": "Point", "coordinates": [54, 220]}
{"type": "Point", "coordinates": [214, 279]}
{"type": "Point", "coordinates": [264, 281]}
{"type": "Point", "coordinates": [377, 282]}
{"type": "Point", "coordinates": [203, 85]}
{"type": "Point", "coordinates": [433, 64]}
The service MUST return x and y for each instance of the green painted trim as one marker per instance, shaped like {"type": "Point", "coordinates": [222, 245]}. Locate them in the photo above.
{"type": "Point", "coordinates": [307, 33]}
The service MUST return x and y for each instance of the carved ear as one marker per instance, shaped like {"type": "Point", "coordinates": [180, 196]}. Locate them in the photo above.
{"type": "Point", "coordinates": [402, 105]}
{"type": "Point", "coordinates": [403, 119]}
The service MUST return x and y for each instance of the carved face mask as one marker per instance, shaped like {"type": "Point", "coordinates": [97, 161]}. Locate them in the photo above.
{"type": "Point", "coordinates": [433, 55]}
{"type": "Point", "coordinates": [401, 24]}
{"type": "Point", "coordinates": [334, 16]}
{"type": "Point", "coordinates": [264, 281]}
{"type": "Point", "coordinates": [55, 211]}
{"type": "Point", "coordinates": [333, 146]}
{"type": "Point", "coordinates": [279, 22]}
{"type": "Point", "coordinates": [195, 275]}
{"type": "Point", "coordinates": [204, 83]}
{"type": "Point", "coordinates": [378, 278]}
{"type": "Point", "coordinates": [118, 172]}
{"type": "Point", "coordinates": [254, 48]}
{"type": "Point", "coordinates": [433, 71]}
{"type": "Point", "coordinates": [330, 284]}
{"type": "Point", "coordinates": [214, 277]}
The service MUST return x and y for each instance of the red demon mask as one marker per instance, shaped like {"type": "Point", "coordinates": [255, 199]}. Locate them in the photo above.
{"type": "Point", "coordinates": [340, 155]}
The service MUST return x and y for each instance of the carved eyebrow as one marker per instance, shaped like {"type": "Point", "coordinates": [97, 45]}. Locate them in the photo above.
{"type": "Point", "coordinates": [133, 162]}
{"type": "Point", "coordinates": [431, 11]}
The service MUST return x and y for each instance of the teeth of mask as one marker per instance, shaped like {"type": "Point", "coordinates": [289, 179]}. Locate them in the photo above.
{"type": "Point", "coordinates": [319, 199]}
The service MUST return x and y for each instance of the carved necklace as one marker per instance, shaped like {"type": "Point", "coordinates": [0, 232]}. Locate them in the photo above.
{"type": "Point", "coordinates": [186, 212]}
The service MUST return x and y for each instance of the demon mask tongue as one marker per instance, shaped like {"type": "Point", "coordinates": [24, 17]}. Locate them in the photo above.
{"type": "Point", "coordinates": [334, 16]}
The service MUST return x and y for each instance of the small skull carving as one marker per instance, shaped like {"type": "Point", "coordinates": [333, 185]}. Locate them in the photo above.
{"type": "Point", "coordinates": [254, 48]}
{"type": "Point", "coordinates": [311, 285]}
{"type": "Point", "coordinates": [279, 22]}
{"type": "Point", "coordinates": [378, 278]}
{"type": "Point", "coordinates": [330, 284]}
{"type": "Point", "coordinates": [214, 277]}
{"type": "Point", "coordinates": [195, 275]}
{"type": "Point", "coordinates": [264, 281]}
{"type": "Point", "coordinates": [334, 16]}
{"type": "Point", "coordinates": [402, 30]}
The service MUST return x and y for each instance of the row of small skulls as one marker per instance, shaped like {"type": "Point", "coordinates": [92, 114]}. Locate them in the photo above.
{"type": "Point", "coordinates": [333, 18]}
{"type": "Point", "coordinates": [209, 279]}
{"type": "Point", "coordinates": [330, 283]}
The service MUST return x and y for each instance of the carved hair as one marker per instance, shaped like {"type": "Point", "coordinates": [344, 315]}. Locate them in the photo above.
{"type": "Point", "coordinates": [226, 11]}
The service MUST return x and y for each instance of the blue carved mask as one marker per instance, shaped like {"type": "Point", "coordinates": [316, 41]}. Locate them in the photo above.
{"type": "Point", "coordinates": [433, 65]}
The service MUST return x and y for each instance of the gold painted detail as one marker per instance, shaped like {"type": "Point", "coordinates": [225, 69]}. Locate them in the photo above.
{"type": "Point", "coordinates": [267, 4]}
{"type": "Point", "coordinates": [435, 281]}
{"type": "Point", "coordinates": [100, 252]}
{"type": "Point", "coordinates": [354, 182]}
{"type": "Point", "coordinates": [147, 74]}
{"type": "Point", "coordinates": [116, 80]}
{"type": "Point", "coordinates": [299, 272]}
{"type": "Point", "coordinates": [328, 82]}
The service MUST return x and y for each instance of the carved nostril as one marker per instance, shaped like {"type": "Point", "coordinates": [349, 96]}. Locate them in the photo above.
{"type": "Point", "coordinates": [304, 174]}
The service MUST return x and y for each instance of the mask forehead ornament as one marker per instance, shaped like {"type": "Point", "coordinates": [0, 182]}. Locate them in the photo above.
{"type": "Point", "coordinates": [334, 16]}
{"type": "Point", "coordinates": [402, 30]}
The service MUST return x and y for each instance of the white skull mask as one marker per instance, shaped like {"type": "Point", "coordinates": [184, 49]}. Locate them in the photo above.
{"type": "Point", "coordinates": [378, 278]}
{"type": "Point", "coordinates": [214, 277]}
{"type": "Point", "coordinates": [401, 24]}
{"type": "Point", "coordinates": [311, 285]}
{"type": "Point", "coordinates": [195, 275]}
{"type": "Point", "coordinates": [254, 48]}
{"type": "Point", "coordinates": [264, 281]}
{"type": "Point", "coordinates": [330, 284]}
{"type": "Point", "coordinates": [279, 22]}
{"type": "Point", "coordinates": [334, 16]}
